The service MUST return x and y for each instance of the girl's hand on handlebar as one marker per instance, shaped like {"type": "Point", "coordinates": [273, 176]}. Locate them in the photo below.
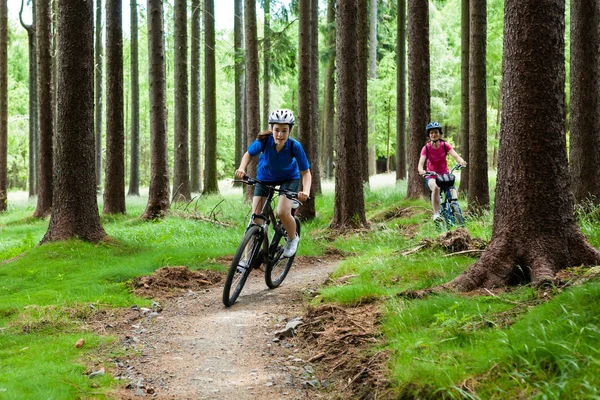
{"type": "Point", "coordinates": [302, 196]}
{"type": "Point", "coordinates": [463, 163]}
{"type": "Point", "coordinates": [240, 173]}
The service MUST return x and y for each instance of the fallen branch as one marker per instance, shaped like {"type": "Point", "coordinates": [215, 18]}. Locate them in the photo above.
{"type": "Point", "coordinates": [406, 253]}
{"type": "Point", "coordinates": [316, 357]}
{"type": "Point", "coordinates": [464, 252]}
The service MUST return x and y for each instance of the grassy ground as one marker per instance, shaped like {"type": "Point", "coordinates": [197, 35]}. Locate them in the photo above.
{"type": "Point", "coordinates": [516, 344]}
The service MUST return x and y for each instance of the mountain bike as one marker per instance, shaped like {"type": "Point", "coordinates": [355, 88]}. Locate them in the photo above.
{"type": "Point", "coordinates": [449, 207]}
{"type": "Point", "coordinates": [256, 249]}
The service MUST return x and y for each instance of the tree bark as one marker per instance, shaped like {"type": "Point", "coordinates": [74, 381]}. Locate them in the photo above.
{"type": "Point", "coordinates": [114, 190]}
{"type": "Point", "coordinates": [349, 206]}
{"type": "Point", "coordinates": [211, 184]}
{"type": "Point", "coordinates": [372, 76]}
{"type": "Point", "coordinates": [465, 33]}
{"type": "Point", "coordinates": [479, 193]}
{"type": "Point", "coordinates": [45, 85]}
{"type": "Point", "coordinates": [315, 169]}
{"type": "Point", "coordinates": [266, 60]}
{"type": "Point", "coordinates": [238, 43]}
{"type": "Point", "coordinates": [418, 91]}
{"type": "Point", "coordinates": [252, 91]}
{"type": "Point", "coordinates": [328, 132]}
{"type": "Point", "coordinates": [585, 101]}
{"type": "Point", "coordinates": [134, 172]}
{"type": "Point", "coordinates": [195, 178]}
{"type": "Point", "coordinates": [535, 233]}
{"type": "Point", "coordinates": [158, 198]}
{"type": "Point", "coordinates": [98, 108]}
{"type": "Point", "coordinates": [363, 65]}
{"type": "Point", "coordinates": [75, 208]}
{"type": "Point", "coordinates": [401, 93]}
{"type": "Point", "coordinates": [181, 175]}
{"type": "Point", "coordinates": [3, 104]}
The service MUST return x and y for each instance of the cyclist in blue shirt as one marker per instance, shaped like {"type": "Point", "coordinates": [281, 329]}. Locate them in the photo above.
{"type": "Point", "coordinates": [282, 161]}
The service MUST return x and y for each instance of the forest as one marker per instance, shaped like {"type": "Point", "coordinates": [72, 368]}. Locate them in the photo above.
{"type": "Point", "coordinates": [118, 144]}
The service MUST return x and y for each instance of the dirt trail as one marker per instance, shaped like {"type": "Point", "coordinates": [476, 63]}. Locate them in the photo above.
{"type": "Point", "coordinates": [195, 348]}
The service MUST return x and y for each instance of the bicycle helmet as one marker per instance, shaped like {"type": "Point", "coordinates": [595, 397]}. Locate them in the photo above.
{"type": "Point", "coordinates": [282, 116]}
{"type": "Point", "coordinates": [433, 125]}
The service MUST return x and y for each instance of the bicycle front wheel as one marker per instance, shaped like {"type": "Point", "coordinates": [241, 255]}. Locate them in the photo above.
{"type": "Point", "coordinates": [241, 265]}
{"type": "Point", "coordinates": [457, 213]}
{"type": "Point", "coordinates": [278, 266]}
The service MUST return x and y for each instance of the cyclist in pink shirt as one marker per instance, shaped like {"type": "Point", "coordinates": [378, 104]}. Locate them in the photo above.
{"type": "Point", "coordinates": [435, 152]}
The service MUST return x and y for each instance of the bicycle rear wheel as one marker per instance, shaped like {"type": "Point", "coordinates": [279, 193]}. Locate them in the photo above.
{"type": "Point", "coordinates": [457, 213]}
{"type": "Point", "coordinates": [241, 265]}
{"type": "Point", "coordinates": [278, 266]}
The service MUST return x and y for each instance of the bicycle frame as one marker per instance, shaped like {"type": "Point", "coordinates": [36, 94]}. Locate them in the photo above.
{"type": "Point", "coordinates": [446, 202]}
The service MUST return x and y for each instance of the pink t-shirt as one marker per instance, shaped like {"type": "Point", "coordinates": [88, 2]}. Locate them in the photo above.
{"type": "Point", "coordinates": [436, 158]}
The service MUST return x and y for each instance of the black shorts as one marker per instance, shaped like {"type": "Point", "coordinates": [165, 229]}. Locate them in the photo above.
{"type": "Point", "coordinates": [293, 185]}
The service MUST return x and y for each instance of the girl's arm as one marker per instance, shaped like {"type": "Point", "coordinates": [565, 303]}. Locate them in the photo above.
{"type": "Point", "coordinates": [458, 158]}
{"type": "Point", "coordinates": [421, 162]}
{"type": "Point", "coordinates": [306, 182]}
{"type": "Point", "coordinates": [241, 171]}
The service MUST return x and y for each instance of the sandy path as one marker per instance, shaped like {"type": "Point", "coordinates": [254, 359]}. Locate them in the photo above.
{"type": "Point", "coordinates": [198, 349]}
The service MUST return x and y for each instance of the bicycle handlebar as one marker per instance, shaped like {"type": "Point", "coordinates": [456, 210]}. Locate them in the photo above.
{"type": "Point", "coordinates": [432, 173]}
{"type": "Point", "coordinates": [248, 180]}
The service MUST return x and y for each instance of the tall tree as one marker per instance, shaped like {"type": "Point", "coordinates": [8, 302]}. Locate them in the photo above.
{"type": "Point", "coordinates": [75, 208]}
{"type": "Point", "coordinates": [327, 124]}
{"type": "Point", "coordinates": [211, 184]}
{"type": "Point", "coordinates": [238, 49]}
{"type": "Point", "coordinates": [527, 244]}
{"type": "Point", "coordinates": [30, 28]}
{"type": "Point", "coordinates": [134, 165]}
{"type": "Point", "coordinates": [46, 110]}
{"type": "Point", "coordinates": [349, 207]}
{"type": "Point", "coordinates": [181, 175]}
{"type": "Point", "coordinates": [373, 77]}
{"type": "Point", "coordinates": [401, 92]}
{"type": "Point", "coordinates": [266, 61]}
{"type": "Point", "coordinates": [3, 104]}
{"type": "Point", "coordinates": [363, 65]}
{"type": "Point", "coordinates": [252, 92]}
{"type": "Point", "coordinates": [585, 100]}
{"type": "Point", "coordinates": [195, 181]}
{"type": "Point", "coordinates": [314, 81]}
{"type": "Point", "coordinates": [98, 108]}
{"type": "Point", "coordinates": [158, 197]}
{"type": "Point", "coordinates": [479, 192]}
{"type": "Point", "coordinates": [114, 192]}
{"type": "Point", "coordinates": [419, 94]}
{"type": "Point", "coordinates": [465, 33]}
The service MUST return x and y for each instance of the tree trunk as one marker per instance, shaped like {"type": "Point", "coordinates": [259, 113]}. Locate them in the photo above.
{"type": "Point", "coordinates": [585, 101]}
{"type": "Point", "coordinates": [252, 92]}
{"type": "Point", "coordinates": [418, 91]}
{"type": "Point", "coordinates": [465, 33]}
{"type": "Point", "coordinates": [373, 76]}
{"type": "Point", "coordinates": [211, 184]}
{"type": "Point", "coordinates": [401, 93]}
{"type": "Point", "coordinates": [134, 172]}
{"type": "Point", "coordinates": [238, 43]}
{"type": "Point", "coordinates": [309, 209]}
{"type": "Point", "coordinates": [535, 233]}
{"type": "Point", "coordinates": [266, 60]}
{"type": "Point", "coordinates": [195, 180]}
{"type": "Point", "coordinates": [75, 208]}
{"type": "Point", "coordinates": [3, 104]}
{"type": "Point", "coordinates": [349, 207]}
{"type": "Point", "coordinates": [479, 193]}
{"type": "Point", "coordinates": [114, 190]}
{"type": "Point", "coordinates": [45, 86]}
{"type": "Point", "coordinates": [98, 108]}
{"type": "Point", "coordinates": [158, 198]}
{"type": "Point", "coordinates": [328, 132]}
{"type": "Point", "coordinates": [363, 65]}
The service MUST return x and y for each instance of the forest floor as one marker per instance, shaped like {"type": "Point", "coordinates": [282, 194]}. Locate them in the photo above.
{"type": "Point", "coordinates": [190, 346]}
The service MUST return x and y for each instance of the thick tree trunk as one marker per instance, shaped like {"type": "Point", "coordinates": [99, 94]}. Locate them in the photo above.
{"type": "Point", "coordinates": [195, 178]}
{"type": "Point", "coordinates": [585, 101]}
{"type": "Point", "coordinates": [401, 92]}
{"type": "Point", "coordinates": [98, 108]}
{"type": "Point", "coordinates": [238, 43]}
{"type": "Point", "coordinates": [45, 85]}
{"type": "Point", "coordinates": [158, 198]}
{"type": "Point", "coordinates": [134, 171]}
{"type": "Point", "coordinates": [419, 93]}
{"type": "Point", "coordinates": [75, 208]}
{"type": "Point", "coordinates": [181, 165]}
{"type": "Point", "coordinates": [211, 184]}
{"type": "Point", "coordinates": [3, 104]}
{"type": "Point", "coordinates": [252, 91]}
{"type": "Point", "coordinates": [315, 168]}
{"type": "Point", "coordinates": [328, 132]}
{"type": "Point", "coordinates": [114, 190]}
{"type": "Point", "coordinates": [373, 76]}
{"type": "Point", "coordinates": [465, 33]}
{"type": "Point", "coordinates": [535, 233]}
{"type": "Point", "coordinates": [479, 193]}
{"type": "Point", "coordinates": [349, 207]}
{"type": "Point", "coordinates": [266, 59]}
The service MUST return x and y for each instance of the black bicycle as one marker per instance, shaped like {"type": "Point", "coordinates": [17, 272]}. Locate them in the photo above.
{"type": "Point", "coordinates": [449, 208]}
{"type": "Point", "coordinates": [255, 248]}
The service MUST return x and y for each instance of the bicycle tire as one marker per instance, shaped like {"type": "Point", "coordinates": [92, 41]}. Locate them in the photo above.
{"type": "Point", "coordinates": [457, 213]}
{"type": "Point", "coordinates": [278, 267]}
{"type": "Point", "coordinates": [247, 251]}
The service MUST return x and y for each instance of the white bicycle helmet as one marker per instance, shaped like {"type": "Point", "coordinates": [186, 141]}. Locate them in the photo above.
{"type": "Point", "coordinates": [282, 116]}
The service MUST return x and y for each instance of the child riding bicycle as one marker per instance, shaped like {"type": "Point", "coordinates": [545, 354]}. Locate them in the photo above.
{"type": "Point", "coordinates": [283, 162]}
{"type": "Point", "coordinates": [435, 152]}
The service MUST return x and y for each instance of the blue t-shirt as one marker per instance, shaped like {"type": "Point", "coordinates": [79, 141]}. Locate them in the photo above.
{"type": "Point", "coordinates": [278, 167]}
